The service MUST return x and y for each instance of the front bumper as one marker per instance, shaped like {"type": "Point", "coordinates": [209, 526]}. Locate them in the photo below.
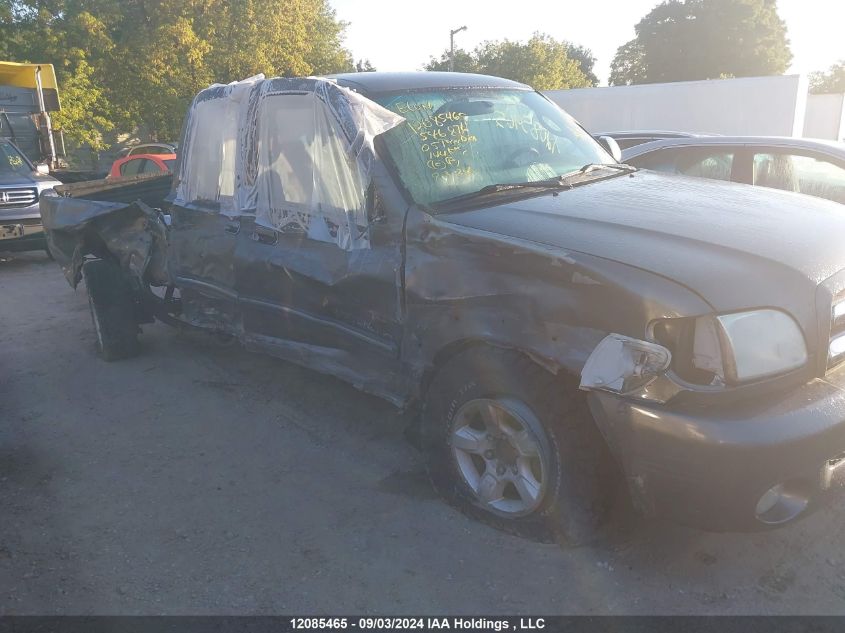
{"type": "Point", "coordinates": [709, 466]}
{"type": "Point", "coordinates": [22, 235]}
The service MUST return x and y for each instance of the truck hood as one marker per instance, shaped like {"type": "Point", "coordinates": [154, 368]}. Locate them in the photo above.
{"type": "Point", "coordinates": [24, 179]}
{"type": "Point", "coordinates": [734, 245]}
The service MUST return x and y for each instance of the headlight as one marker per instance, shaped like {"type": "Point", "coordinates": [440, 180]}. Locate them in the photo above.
{"type": "Point", "coordinates": [747, 346]}
{"type": "Point", "coordinates": [624, 365]}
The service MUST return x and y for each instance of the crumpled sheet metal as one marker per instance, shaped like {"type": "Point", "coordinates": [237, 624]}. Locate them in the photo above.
{"type": "Point", "coordinates": [296, 153]}
{"type": "Point", "coordinates": [134, 234]}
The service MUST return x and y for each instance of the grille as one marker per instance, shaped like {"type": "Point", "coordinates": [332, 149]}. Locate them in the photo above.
{"type": "Point", "coordinates": [18, 197]}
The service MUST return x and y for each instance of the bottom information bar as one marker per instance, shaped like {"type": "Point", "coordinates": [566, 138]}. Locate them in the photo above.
{"type": "Point", "coordinates": [463, 624]}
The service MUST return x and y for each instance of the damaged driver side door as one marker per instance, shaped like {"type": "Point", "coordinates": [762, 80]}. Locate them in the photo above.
{"type": "Point", "coordinates": [322, 286]}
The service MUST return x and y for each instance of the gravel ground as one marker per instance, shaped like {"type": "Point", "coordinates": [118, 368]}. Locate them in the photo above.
{"type": "Point", "coordinates": [200, 479]}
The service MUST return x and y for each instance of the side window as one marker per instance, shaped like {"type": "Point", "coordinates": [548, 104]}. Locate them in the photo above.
{"type": "Point", "coordinates": [208, 171]}
{"type": "Point", "coordinates": [714, 163]}
{"type": "Point", "coordinates": [132, 167]}
{"type": "Point", "coordinates": [802, 174]}
{"type": "Point", "coordinates": [307, 181]}
{"type": "Point", "coordinates": [660, 160]}
{"type": "Point", "coordinates": [150, 167]}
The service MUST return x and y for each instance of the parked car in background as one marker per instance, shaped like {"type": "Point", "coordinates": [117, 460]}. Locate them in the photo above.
{"type": "Point", "coordinates": [149, 148]}
{"type": "Point", "coordinates": [808, 166]}
{"type": "Point", "coordinates": [152, 148]}
{"type": "Point", "coordinates": [137, 164]}
{"type": "Point", "coordinates": [638, 137]}
{"type": "Point", "coordinates": [21, 184]}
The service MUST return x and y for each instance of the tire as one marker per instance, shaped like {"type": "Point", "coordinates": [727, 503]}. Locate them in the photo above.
{"type": "Point", "coordinates": [112, 306]}
{"type": "Point", "coordinates": [563, 493]}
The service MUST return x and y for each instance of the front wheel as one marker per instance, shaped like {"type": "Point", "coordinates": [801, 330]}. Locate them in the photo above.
{"type": "Point", "coordinates": [512, 444]}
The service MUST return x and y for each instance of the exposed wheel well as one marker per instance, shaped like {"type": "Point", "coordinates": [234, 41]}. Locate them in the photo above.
{"type": "Point", "coordinates": [454, 349]}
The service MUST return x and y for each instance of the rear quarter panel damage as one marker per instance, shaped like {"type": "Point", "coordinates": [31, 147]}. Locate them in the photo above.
{"type": "Point", "coordinates": [132, 234]}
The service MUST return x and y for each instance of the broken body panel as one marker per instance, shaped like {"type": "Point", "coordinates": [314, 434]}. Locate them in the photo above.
{"type": "Point", "coordinates": [381, 290]}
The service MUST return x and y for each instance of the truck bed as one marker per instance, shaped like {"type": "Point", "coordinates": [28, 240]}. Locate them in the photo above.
{"type": "Point", "coordinates": [118, 219]}
{"type": "Point", "coordinates": [151, 190]}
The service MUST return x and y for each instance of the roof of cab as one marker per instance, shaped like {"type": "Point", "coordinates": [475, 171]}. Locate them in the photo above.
{"type": "Point", "coordinates": [375, 82]}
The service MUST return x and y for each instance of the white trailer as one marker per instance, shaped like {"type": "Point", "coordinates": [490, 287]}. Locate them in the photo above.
{"type": "Point", "coordinates": [765, 106]}
{"type": "Point", "coordinates": [825, 117]}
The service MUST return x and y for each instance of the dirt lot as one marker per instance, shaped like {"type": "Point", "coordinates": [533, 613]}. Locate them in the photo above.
{"type": "Point", "coordinates": [199, 479]}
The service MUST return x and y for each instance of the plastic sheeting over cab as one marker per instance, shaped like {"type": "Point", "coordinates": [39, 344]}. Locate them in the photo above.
{"type": "Point", "coordinates": [295, 153]}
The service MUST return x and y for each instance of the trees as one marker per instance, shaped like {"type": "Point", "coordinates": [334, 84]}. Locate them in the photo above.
{"type": "Point", "coordinates": [831, 81]}
{"type": "Point", "coordinates": [704, 39]}
{"type": "Point", "coordinates": [628, 65]}
{"type": "Point", "coordinates": [586, 61]}
{"type": "Point", "coordinates": [364, 66]}
{"type": "Point", "coordinates": [136, 64]}
{"type": "Point", "coordinates": [465, 62]}
{"type": "Point", "coordinates": [541, 62]}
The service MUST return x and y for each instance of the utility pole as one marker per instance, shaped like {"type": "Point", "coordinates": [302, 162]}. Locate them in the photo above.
{"type": "Point", "coordinates": [452, 47]}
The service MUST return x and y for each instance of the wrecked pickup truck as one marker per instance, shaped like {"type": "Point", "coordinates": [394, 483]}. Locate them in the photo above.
{"type": "Point", "coordinates": [458, 245]}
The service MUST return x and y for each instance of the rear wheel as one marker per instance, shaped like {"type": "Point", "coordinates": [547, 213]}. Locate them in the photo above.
{"type": "Point", "coordinates": [113, 310]}
{"type": "Point", "coordinates": [512, 444]}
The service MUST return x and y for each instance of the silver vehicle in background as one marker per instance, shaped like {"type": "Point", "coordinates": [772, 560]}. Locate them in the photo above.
{"type": "Point", "coordinates": [21, 185]}
{"type": "Point", "coordinates": [631, 138]}
{"type": "Point", "coordinates": [808, 166]}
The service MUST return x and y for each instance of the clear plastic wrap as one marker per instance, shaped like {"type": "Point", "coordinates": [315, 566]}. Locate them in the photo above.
{"type": "Point", "coordinates": [296, 153]}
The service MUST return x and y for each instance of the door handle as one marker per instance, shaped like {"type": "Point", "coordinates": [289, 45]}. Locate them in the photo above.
{"type": "Point", "coordinates": [233, 227]}
{"type": "Point", "coordinates": [264, 235]}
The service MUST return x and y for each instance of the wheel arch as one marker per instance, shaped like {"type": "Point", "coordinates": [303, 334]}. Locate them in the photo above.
{"type": "Point", "coordinates": [454, 348]}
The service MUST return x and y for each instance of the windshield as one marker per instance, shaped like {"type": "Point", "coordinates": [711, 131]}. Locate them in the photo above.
{"type": "Point", "coordinates": [456, 142]}
{"type": "Point", "coordinates": [11, 160]}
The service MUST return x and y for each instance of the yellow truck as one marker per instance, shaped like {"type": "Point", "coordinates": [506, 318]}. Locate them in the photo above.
{"type": "Point", "coordinates": [28, 94]}
{"type": "Point", "coordinates": [28, 151]}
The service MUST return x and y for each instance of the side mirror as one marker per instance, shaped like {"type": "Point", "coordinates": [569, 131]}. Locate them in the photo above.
{"type": "Point", "coordinates": [42, 169]}
{"type": "Point", "coordinates": [610, 144]}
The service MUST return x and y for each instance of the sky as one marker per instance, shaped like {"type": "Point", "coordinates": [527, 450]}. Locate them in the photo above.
{"type": "Point", "coordinates": [399, 36]}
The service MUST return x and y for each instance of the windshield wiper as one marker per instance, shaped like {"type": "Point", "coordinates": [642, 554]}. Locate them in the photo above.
{"type": "Point", "coordinates": [550, 183]}
{"type": "Point", "coordinates": [558, 182]}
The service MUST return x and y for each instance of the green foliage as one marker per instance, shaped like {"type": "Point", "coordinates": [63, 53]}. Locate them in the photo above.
{"type": "Point", "coordinates": [586, 61]}
{"type": "Point", "coordinates": [135, 64]}
{"type": "Point", "coordinates": [628, 65]}
{"type": "Point", "coordinates": [465, 62]}
{"type": "Point", "coordinates": [542, 62]}
{"type": "Point", "coordinates": [84, 105]}
{"type": "Point", "coordinates": [683, 40]}
{"type": "Point", "coordinates": [832, 81]}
